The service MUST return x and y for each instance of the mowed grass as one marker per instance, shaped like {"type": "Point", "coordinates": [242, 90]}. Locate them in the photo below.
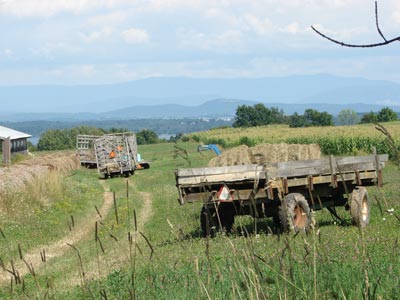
{"type": "Point", "coordinates": [46, 210]}
{"type": "Point", "coordinates": [165, 258]}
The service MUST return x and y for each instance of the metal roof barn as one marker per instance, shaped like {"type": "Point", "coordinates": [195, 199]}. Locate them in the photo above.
{"type": "Point", "coordinates": [12, 142]}
{"type": "Point", "coordinates": [12, 134]}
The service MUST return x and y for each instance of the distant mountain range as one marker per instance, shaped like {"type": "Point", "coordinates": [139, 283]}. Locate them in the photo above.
{"type": "Point", "coordinates": [219, 108]}
{"type": "Point", "coordinates": [193, 97]}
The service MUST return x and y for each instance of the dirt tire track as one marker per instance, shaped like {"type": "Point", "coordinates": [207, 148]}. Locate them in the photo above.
{"type": "Point", "coordinates": [59, 247]}
{"type": "Point", "coordinates": [146, 212]}
{"type": "Point", "coordinates": [117, 256]}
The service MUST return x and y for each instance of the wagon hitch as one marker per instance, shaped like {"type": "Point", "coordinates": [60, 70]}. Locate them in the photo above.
{"type": "Point", "coordinates": [335, 215]}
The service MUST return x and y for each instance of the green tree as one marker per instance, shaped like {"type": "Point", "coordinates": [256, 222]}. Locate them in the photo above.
{"type": "Point", "coordinates": [369, 117]}
{"type": "Point", "coordinates": [387, 114]}
{"type": "Point", "coordinates": [146, 136]}
{"type": "Point", "coordinates": [348, 117]}
{"type": "Point", "coordinates": [258, 115]}
{"type": "Point", "coordinates": [277, 116]}
{"type": "Point", "coordinates": [325, 119]}
{"type": "Point", "coordinates": [297, 120]}
{"type": "Point", "coordinates": [312, 117]}
{"type": "Point", "coordinates": [54, 139]}
{"type": "Point", "coordinates": [62, 139]}
{"type": "Point", "coordinates": [244, 116]}
{"type": "Point", "coordinates": [316, 118]}
{"type": "Point", "coordinates": [117, 130]}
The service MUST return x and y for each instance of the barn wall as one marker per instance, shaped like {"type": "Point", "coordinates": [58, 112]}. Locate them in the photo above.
{"type": "Point", "coordinates": [19, 146]}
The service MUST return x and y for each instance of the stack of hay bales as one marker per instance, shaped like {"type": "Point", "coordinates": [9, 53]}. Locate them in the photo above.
{"type": "Point", "coordinates": [266, 153]}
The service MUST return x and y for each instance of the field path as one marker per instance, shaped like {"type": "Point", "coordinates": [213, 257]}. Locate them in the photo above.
{"type": "Point", "coordinates": [59, 247]}
{"type": "Point", "coordinates": [118, 255]}
{"type": "Point", "coordinates": [146, 212]}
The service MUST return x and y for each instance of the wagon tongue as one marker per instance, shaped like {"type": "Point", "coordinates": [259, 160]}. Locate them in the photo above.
{"type": "Point", "coordinates": [224, 194]}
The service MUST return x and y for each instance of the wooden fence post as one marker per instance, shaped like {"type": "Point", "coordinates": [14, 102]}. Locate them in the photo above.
{"type": "Point", "coordinates": [6, 148]}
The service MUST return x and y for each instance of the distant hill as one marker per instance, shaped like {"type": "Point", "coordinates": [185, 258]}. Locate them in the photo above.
{"type": "Point", "coordinates": [212, 108]}
{"type": "Point", "coordinates": [164, 119]}
{"type": "Point", "coordinates": [163, 93]}
{"type": "Point", "coordinates": [218, 108]}
{"type": "Point", "coordinates": [227, 108]}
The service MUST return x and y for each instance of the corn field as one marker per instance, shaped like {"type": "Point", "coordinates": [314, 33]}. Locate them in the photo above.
{"type": "Point", "coordinates": [336, 140]}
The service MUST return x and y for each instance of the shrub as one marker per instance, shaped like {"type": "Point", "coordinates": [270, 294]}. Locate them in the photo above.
{"type": "Point", "coordinates": [195, 138]}
{"type": "Point", "coordinates": [245, 140]}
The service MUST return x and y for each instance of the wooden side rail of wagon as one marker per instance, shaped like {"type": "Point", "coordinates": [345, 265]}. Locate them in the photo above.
{"type": "Point", "coordinates": [264, 190]}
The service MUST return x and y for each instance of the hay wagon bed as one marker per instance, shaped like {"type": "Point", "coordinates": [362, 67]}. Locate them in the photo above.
{"type": "Point", "coordinates": [85, 149]}
{"type": "Point", "coordinates": [116, 154]}
{"type": "Point", "coordinates": [285, 191]}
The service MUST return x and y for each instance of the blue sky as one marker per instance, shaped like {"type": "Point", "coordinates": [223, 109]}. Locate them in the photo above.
{"type": "Point", "coordinates": [107, 41]}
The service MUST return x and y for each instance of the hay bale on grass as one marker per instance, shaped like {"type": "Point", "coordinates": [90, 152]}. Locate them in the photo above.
{"type": "Point", "coordinates": [20, 175]}
{"type": "Point", "coordinates": [266, 153]}
{"type": "Point", "coordinates": [236, 156]}
{"type": "Point", "coordinates": [284, 152]}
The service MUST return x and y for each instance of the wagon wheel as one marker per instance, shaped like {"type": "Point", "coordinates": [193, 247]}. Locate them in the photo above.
{"type": "Point", "coordinates": [294, 213]}
{"type": "Point", "coordinates": [359, 207]}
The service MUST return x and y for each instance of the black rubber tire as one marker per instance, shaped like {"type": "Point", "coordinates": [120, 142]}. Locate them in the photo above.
{"type": "Point", "coordinates": [360, 207]}
{"type": "Point", "coordinates": [294, 213]}
{"type": "Point", "coordinates": [227, 216]}
{"type": "Point", "coordinates": [207, 222]}
{"type": "Point", "coordinates": [276, 220]}
{"type": "Point", "coordinates": [212, 221]}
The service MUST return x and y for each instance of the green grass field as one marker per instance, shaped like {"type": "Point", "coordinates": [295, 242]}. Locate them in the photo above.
{"type": "Point", "coordinates": [147, 246]}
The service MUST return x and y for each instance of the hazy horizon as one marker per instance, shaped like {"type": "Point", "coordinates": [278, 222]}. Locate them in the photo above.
{"type": "Point", "coordinates": [322, 88]}
{"type": "Point", "coordinates": [108, 42]}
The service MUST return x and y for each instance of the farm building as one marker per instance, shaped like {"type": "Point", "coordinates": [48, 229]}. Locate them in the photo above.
{"type": "Point", "coordinates": [13, 142]}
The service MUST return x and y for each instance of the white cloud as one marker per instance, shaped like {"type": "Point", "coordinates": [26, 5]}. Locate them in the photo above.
{"type": "Point", "coordinates": [225, 31]}
{"type": "Point", "coordinates": [50, 50]}
{"type": "Point", "coordinates": [7, 52]}
{"type": "Point", "coordinates": [99, 35]}
{"type": "Point", "coordinates": [260, 26]}
{"type": "Point", "coordinates": [229, 38]}
{"type": "Point", "coordinates": [40, 8]}
{"type": "Point", "coordinates": [171, 5]}
{"type": "Point", "coordinates": [88, 70]}
{"type": "Point", "coordinates": [112, 18]}
{"type": "Point", "coordinates": [47, 8]}
{"type": "Point", "coordinates": [292, 28]}
{"type": "Point", "coordinates": [221, 15]}
{"type": "Point", "coordinates": [396, 17]}
{"type": "Point", "coordinates": [135, 36]}
{"type": "Point", "coordinates": [229, 41]}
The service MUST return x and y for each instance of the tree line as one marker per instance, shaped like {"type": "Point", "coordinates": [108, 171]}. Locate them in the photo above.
{"type": "Point", "coordinates": [259, 114]}
{"type": "Point", "coordinates": [63, 139]}
{"type": "Point", "coordinates": [161, 126]}
{"type": "Point", "coordinates": [246, 116]}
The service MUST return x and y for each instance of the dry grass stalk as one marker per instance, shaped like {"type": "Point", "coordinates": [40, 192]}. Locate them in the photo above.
{"type": "Point", "coordinates": [39, 178]}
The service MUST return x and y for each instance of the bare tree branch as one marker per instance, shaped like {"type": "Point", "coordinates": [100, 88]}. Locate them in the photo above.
{"type": "Point", "coordinates": [377, 23]}
{"type": "Point", "coordinates": [386, 42]}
